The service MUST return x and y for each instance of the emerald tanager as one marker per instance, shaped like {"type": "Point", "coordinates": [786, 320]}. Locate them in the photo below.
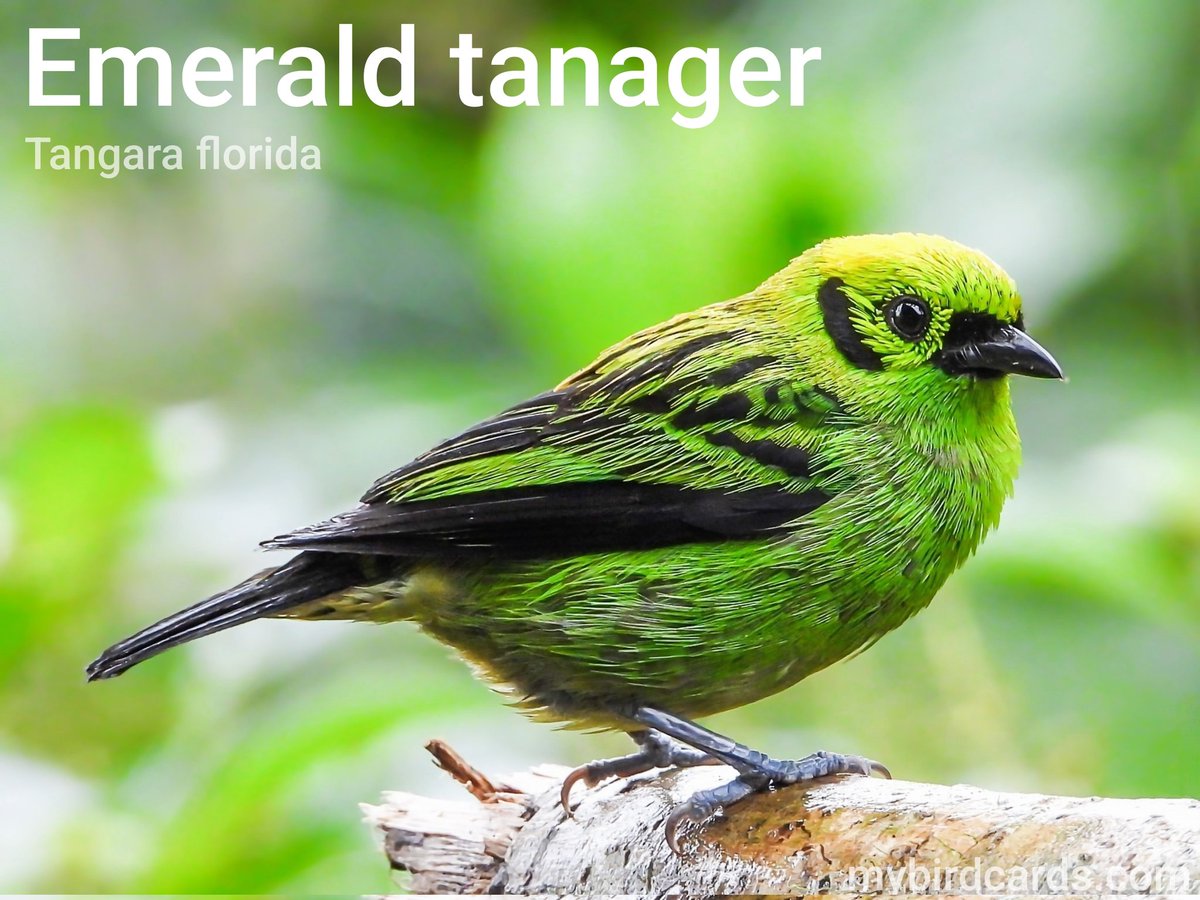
{"type": "Point", "coordinates": [712, 510]}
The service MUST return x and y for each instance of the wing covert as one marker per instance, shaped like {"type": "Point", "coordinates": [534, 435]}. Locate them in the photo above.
{"type": "Point", "coordinates": [693, 445]}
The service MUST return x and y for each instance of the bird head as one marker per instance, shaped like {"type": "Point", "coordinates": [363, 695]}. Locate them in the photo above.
{"type": "Point", "coordinates": [907, 301]}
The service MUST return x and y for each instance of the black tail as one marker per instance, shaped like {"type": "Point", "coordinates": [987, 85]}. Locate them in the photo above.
{"type": "Point", "coordinates": [308, 576]}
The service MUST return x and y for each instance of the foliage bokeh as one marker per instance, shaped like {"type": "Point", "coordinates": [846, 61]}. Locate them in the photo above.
{"type": "Point", "coordinates": [191, 362]}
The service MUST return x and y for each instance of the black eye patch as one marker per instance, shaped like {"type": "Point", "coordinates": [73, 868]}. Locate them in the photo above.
{"type": "Point", "coordinates": [966, 328]}
{"type": "Point", "coordinates": [835, 310]}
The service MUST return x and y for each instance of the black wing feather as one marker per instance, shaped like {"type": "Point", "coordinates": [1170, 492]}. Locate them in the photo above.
{"type": "Point", "coordinates": [618, 512]}
{"type": "Point", "coordinates": [515, 429]}
{"type": "Point", "coordinates": [557, 520]}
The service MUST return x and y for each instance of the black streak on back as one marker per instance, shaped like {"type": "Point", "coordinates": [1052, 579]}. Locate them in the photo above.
{"type": "Point", "coordinates": [622, 380]}
{"type": "Point", "coordinates": [730, 406]}
{"type": "Point", "coordinates": [791, 461]}
{"type": "Point", "coordinates": [515, 429]}
{"type": "Point", "coordinates": [735, 372]}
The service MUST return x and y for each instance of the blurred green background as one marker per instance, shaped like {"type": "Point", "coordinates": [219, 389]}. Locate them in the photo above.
{"type": "Point", "coordinates": [191, 362]}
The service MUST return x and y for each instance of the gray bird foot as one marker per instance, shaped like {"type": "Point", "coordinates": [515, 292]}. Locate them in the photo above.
{"type": "Point", "coordinates": [766, 773]}
{"type": "Point", "coordinates": [757, 771]}
{"type": "Point", "coordinates": [658, 752]}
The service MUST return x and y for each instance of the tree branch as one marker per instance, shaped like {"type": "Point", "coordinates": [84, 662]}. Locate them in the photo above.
{"type": "Point", "coordinates": [850, 835]}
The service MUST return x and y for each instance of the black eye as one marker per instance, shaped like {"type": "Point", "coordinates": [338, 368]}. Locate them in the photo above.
{"type": "Point", "coordinates": [908, 317]}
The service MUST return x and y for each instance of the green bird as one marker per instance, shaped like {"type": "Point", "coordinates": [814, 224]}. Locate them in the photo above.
{"type": "Point", "coordinates": [714, 509]}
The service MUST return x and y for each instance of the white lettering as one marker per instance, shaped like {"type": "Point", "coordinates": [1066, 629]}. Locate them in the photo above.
{"type": "Point", "coordinates": [39, 66]}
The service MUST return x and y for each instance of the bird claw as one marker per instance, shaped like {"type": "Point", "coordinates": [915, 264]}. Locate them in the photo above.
{"type": "Point", "coordinates": [757, 772]}
{"type": "Point", "coordinates": [856, 765]}
{"type": "Point", "coordinates": [582, 773]}
{"type": "Point", "coordinates": [871, 767]}
{"type": "Point", "coordinates": [703, 805]}
{"type": "Point", "coordinates": [680, 814]}
{"type": "Point", "coordinates": [657, 752]}
{"type": "Point", "coordinates": [769, 773]}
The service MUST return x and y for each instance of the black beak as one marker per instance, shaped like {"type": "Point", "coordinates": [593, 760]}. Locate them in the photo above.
{"type": "Point", "coordinates": [1006, 350]}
